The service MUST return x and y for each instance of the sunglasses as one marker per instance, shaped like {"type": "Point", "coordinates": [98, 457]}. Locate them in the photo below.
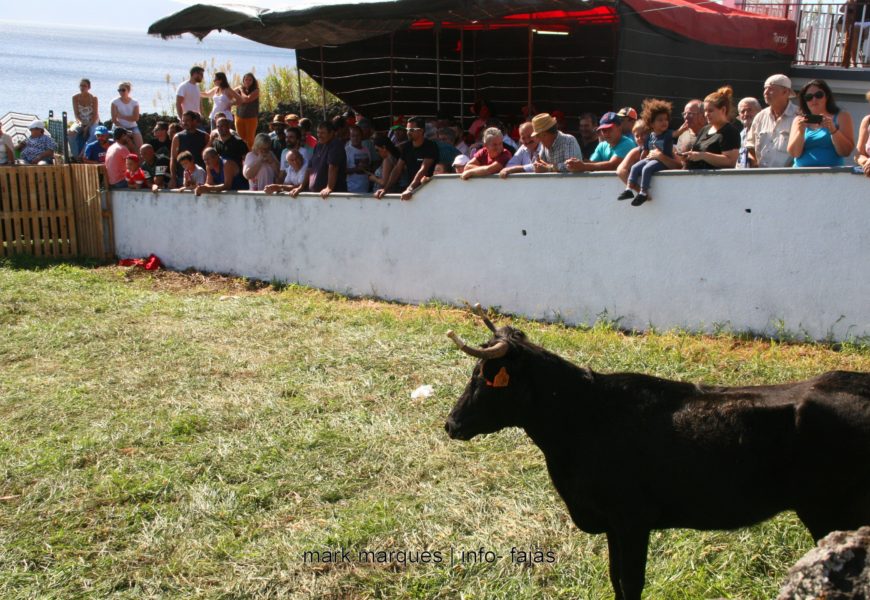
{"type": "Point", "coordinates": [818, 96]}
{"type": "Point", "coordinates": [413, 129]}
{"type": "Point", "coordinates": [121, 90]}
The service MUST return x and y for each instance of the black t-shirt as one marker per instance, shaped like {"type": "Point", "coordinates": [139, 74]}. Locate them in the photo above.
{"type": "Point", "coordinates": [330, 154]}
{"type": "Point", "coordinates": [193, 142]}
{"type": "Point", "coordinates": [233, 148]}
{"type": "Point", "coordinates": [162, 148]}
{"type": "Point", "coordinates": [414, 157]}
{"type": "Point", "coordinates": [719, 142]}
{"type": "Point", "coordinates": [587, 150]}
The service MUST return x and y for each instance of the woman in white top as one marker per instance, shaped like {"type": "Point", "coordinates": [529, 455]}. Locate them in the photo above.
{"type": "Point", "coordinates": [125, 112]}
{"type": "Point", "coordinates": [223, 98]}
{"type": "Point", "coordinates": [261, 166]}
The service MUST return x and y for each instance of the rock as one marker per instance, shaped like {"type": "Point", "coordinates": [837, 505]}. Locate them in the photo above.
{"type": "Point", "coordinates": [837, 569]}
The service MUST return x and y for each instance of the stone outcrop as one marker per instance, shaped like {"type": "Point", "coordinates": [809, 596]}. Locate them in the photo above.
{"type": "Point", "coordinates": [837, 569]}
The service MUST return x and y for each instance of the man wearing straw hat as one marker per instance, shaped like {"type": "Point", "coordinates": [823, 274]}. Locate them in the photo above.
{"type": "Point", "coordinates": [557, 148]}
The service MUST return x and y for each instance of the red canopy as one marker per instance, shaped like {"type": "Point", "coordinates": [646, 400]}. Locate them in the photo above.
{"type": "Point", "coordinates": [702, 21]}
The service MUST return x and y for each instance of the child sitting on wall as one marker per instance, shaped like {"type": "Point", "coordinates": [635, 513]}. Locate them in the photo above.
{"type": "Point", "coordinates": [655, 152]}
{"type": "Point", "coordinates": [134, 174]}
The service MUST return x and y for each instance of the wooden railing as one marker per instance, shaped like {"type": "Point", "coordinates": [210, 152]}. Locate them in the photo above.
{"type": "Point", "coordinates": [56, 211]}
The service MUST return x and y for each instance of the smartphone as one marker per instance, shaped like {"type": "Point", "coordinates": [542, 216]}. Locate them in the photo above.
{"type": "Point", "coordinates": [814, 119]}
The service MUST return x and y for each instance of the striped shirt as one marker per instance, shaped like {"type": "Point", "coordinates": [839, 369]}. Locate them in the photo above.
{"type": "Point", "coordinates": [564, 147]}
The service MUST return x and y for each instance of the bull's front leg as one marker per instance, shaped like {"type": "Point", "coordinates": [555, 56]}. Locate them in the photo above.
{"type": "Point", "coordinates": [627, 548]}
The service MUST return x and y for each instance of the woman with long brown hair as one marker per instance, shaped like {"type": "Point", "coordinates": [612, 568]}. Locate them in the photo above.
{"type": "Point", "coordinates": [223, 98]}
{"type": "Point", "coordinates": [248, 109]}
{"type": "Point", "coordinates": [821, 134]}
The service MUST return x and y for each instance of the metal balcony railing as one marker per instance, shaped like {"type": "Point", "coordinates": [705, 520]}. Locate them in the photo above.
{"type": "Point", "coordinates": [822, 33]}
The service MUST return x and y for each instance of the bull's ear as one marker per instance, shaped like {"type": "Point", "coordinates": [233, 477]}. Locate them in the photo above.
{"type": "Point", "coordinates": [501, 379]}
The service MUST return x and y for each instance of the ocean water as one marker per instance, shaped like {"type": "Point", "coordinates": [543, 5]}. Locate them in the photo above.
{"type": "Point", "coordinates": [42, 66]}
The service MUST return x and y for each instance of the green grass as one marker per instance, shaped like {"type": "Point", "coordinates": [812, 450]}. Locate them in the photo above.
{"type": "Point", "coordinates": [177, 436]}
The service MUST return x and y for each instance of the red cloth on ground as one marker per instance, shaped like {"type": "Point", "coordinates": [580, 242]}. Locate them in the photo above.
{"type": "Point", "coordinates": [152, 263]}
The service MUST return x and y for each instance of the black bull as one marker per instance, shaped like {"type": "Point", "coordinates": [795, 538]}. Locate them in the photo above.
{"type": "Point", "coordinates": [629, 453]}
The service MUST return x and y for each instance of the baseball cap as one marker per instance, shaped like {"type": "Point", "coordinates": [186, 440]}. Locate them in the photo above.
{"type": "Point", "coordinates": [132, 156]}
{"type": "Point", "coordinates": [461, 160]}
{"type": "Point", "coordinates": [101, 130]}
{"type": "Point", "coordinates": [37, 124]}
{"type": "Point", "coordinates": [609, 120]}
{"type": "Point", "coordinates": [627, 111]}
{"type": "Point", "coordinates": [780, 80]}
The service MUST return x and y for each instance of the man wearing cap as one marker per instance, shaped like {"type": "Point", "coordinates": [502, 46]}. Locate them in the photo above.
{"type": "Point", "coordinates": [187, 96]}
{"type": "Point", "coordinates": [95, 152]}
{"type": "Point", "coordinates": [629, 118]}
{"type": "Point", "coordinates": [611, 151]}
{"type": "Point", "coordinates": [747, 109]}
{"type": "Point", "coordinates": [39, 148]}
{"type": "Point", "coordinates": [767, 140]}
{"type": "Point", "coordinates": [278, 136]}
{"type": "Point", "coordinates": [116, 158]}
{"type": "Point", "coordinates": [557, 147]}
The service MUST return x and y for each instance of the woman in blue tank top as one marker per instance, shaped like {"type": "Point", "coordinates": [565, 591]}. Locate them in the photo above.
{"type": "Point", "coordinates": [822, 134]}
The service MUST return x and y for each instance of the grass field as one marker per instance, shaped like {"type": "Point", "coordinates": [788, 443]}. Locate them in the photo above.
{"type": "Point", "coordinates": [177, 436]}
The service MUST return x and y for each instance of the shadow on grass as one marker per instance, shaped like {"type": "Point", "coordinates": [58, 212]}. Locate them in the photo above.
{"type": "Point", "coordinates": [27, 262]}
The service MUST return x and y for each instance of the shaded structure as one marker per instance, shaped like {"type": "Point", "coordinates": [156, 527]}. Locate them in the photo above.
{"type": "Point", "coordinates": [387, 59]}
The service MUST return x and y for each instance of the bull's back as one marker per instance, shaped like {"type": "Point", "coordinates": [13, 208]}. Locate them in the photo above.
{"type": "Point", "coordinates": [720, 458]}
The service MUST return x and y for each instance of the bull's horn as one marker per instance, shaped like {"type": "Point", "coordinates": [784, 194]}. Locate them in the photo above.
{"type": "Point", "coordinates": [497, 351]}
{"type": "Point", "coordinates": [479, 310]}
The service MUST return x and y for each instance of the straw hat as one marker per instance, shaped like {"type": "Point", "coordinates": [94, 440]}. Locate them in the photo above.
{"type": "Point", "coordinates": [542, 122]}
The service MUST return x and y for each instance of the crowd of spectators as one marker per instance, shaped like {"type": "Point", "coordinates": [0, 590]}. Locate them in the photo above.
{"type": "Point", "coordinates": [225, 152]}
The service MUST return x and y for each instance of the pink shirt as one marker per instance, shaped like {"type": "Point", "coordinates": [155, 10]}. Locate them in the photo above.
{"type": "Point", "coordinates": [116, 163]}
{"type": "Point", "coordinates": [482, 157]}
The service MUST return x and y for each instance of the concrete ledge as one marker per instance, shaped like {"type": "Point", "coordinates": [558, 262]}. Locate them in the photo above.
{"type": "Point", "coordinates": [761, 251]}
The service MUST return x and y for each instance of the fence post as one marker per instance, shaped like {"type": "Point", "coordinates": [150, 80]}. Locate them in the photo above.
{"type": "Point", "coordinates": [65, 140]}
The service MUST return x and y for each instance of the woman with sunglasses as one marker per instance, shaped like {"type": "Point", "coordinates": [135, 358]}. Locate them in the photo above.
{"type": "Point", "coordinates": [821, 135]}
{"type": "Point", "coordinates": [125, 112]}
{"type": "Point", "coordinates": [862, 157]}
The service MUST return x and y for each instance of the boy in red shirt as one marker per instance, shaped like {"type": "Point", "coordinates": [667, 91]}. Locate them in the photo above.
{"type": "Point", "coordinates": [134, 175]}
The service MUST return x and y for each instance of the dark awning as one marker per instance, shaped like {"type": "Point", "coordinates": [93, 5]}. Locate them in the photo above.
{"type": "Point", "coordinates": [303, 25]}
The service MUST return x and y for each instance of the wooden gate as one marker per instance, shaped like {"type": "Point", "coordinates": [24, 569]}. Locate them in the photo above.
{"type": "Point", "coordinates": [55, 211]}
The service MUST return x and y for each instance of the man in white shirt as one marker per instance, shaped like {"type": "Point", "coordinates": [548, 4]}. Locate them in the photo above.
{"type": "Point", "coordinates": [529, 151]}
{"type": "Point", "coordinates": [767, 140]}
{"type": "Point", "coordinates": [187, 97]}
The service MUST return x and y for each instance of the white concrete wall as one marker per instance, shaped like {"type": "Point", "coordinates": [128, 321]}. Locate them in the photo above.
{"type": "Point", "coordinates": [750, 251]}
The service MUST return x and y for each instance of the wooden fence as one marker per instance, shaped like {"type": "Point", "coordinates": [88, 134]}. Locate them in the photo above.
{"type": "Point", "coordinates": [56, 211]}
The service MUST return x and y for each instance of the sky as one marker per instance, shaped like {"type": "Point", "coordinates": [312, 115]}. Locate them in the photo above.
{"type": "Point", "coordinates": [104, 14]}
{"type": "Point", "coordinates": [129, 15]}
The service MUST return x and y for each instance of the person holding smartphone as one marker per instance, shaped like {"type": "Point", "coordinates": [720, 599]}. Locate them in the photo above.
{"type": "Point", "coordinates": [822, 134]}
